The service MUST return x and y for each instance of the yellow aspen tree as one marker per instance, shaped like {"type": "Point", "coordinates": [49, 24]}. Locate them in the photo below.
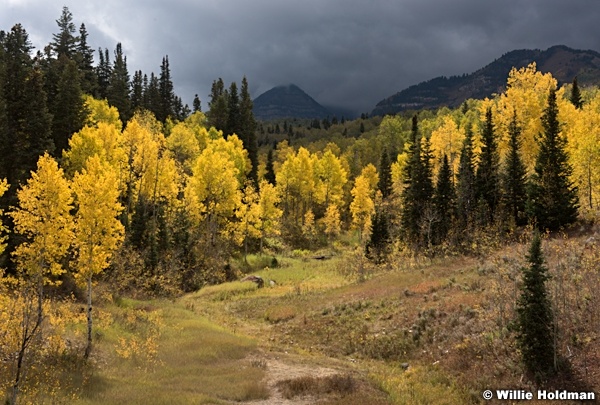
{"type": "Point", "coordinates": [98, 232]}
{"type": "Point", "coordinates": [100, 112]}
{"type": "Point", "coordinates": [332, 222]}
{"type": "Point", "coordinates": [269, 213]}
{"type": "Point", "coordinates": [43, 217]}
{"type": "Point", "coordinates": [526, 93]}
{"type": "Point", "coordinates": [248, 215]}
{"type": "Point", "coordinates": [447, 140]}
{"type": "Point", "coordinates": [3, 188]}
{"type": "Point", "coordinates": [213, 192]}
{"type": "Point", "coordinates": [184, 145]}
{"type": "Point", "coordinates": [362, 206]}
{"type": "Point", "coordinates": [584, 150]}
{"type": "Point", "coordinates": [104, 140]}
{"type": "Point", "coordinates": [332, 179]}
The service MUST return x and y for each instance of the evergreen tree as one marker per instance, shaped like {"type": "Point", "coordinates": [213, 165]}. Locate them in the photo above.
{"type": "Point", "coordinates": [248, 129]}
{"type": "Point", "coordinates": [576, 95]}
{"type": "Point", "coordinates": [418, 186]}
{"type": "Point", "coordinates": [137, 91]}
{"type": "Point", "coordinates": [535, 320]}
{"type": "Point", "coordinates": [465, 190]}
{"type": "Point", "coordinates": [443, 200]}
{"type": "Point", "coordinates": [376, 247]}
{"type": "Point", "coordinates": [65, 42]}
{"type": "Point", "coordinates": [118, 89]}
{"type": "Point", "coordinates": [552, 198]}
{"type": "Point", "coordinates": [514, 178]}
{"type": "Point", "coordinates": [487, 178]}
{"type": "Point", "coordinates": [196, 105]}
{"type": "Point", "coordinates": [385, 175]}
{"type": "Point", "coordinates": [103, 73]}
{"type": "Point", "coordinates": [167, 95]}
{"type": "Point", "coordinates": [152, 99]}
{"type": "Point", "coordinates": [233, 111]}
{"type": "Point", "coordinates": [218, 113]}
{"type": "Point", "coordinates": [85, 63]}
{"type": "Point", "coordinates": [270, 173]}
{"type": "Point", "coordinates": [28, 122]}
{"type": "Point", "coordinates": [67, 108]}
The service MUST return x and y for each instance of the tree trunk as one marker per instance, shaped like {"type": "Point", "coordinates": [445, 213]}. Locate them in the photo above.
{"type": "Point", "coordinates": [88, 348]}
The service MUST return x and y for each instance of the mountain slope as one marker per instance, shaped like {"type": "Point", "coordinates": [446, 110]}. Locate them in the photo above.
{"type": "Point", "coordinates": [287, 102]}
{"type": "Point", "coordinates": [563, 62]}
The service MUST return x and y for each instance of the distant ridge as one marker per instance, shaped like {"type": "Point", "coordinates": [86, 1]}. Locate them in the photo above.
{"type": "Point", "coordinates": [288, 101]}
{"type": "Point", "coordinates": [563, 62]}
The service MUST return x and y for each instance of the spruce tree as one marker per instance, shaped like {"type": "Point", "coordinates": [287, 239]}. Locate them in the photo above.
{"type": "Point", "coordinates": [385, 175]}
{"type": "Point", "coordinates": [376, 247]}
{"type": "Point", "coordinates": [418, 186]}
{"type": "Point", "coordinates": [137, 91]}
{"type": "Point", "coordinates": [465, 189]}
{"type": "Point", "coordinates": [248, 129]}
{"type": "Point", "coordinates": [443, 199]}
{"type": "Point", "coordinates": [85, 62]}
{"type": "Point", "coordinates": [576, 95]}
{"type": "Point", "coordinates": [270, 173]}
{"type": "Point", "coordinates": [514, 176]}
{"type": "Point", "coordinates": [119, 87]}
{"type": "Point", "coordinates": [68, 107]}
{"type": "Point", "coordinates": [103, 73]}
{"type": "Point", "coordinates": [167, 95]}
{"type": "Point", "coordinates": [552, 198]}
{"type": "Point", "coordinates": [196, 105]}
{"type": "Point", "coordinates": [218, 113]}
{"type": "Point", "coordinates": [65, 42]}
{"type": "Point", "coordinates": [233, 111]}
{"type": "Point", "coordinates": [535, 320]}
{"type": "Point", "coordinates": [487, 177]}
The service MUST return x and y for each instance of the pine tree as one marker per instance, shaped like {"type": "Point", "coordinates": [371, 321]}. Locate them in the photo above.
{"type": "Point", "coordinates": [385, 175]}
{"type": "Point", "coordinates": [167, 95]}
{"type": "Point", "coordinates": [376, 247]}
{"type": "Point", "coordinates": [218, 113]}
{"type": "Point", "coordinates": [535, 320]}
{"type": "Point", "coordinates": [233, 111]}
{"type": "Point", "coordinates": [418, 186]}
{"type": "Point", "coordinates": [137, 91]}
{"type": "Point", "coordinates": [443, 200]}
{"type": "Point", "coordinates": [248, 129]}
{"type": "Point", "coordinates": [196, 105]}
{"type": "Point", "coordinates": [103, 73]}
{"type": "Point", "coordinates": [487, 178]}
{"type": "Point", "coordinates": [576, 95]}
{"type": "Point", "coordinates": [67, 108]}
{"type": "Point", "coordinates": [85, 63]}
{"type": "Point", "coordinates": [270, 173]}
{"type": "Point", "coordinates": [514, 176]}
{"type": "Point", "coordinates": [118, 90]}
{"type": "Point", "coordinates": [65, 42]}
{"type": "Point", "coordinates": [28, 123]}
{"type": "Point", "coordinates": [552, 198]}
{"type": "Point", "coordinates": [465, 189]}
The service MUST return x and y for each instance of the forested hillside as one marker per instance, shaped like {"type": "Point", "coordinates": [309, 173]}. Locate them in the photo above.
{"type": "Point", "coordinates": [110, 180]}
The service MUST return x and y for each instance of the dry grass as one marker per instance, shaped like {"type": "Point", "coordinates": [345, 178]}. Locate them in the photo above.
{"type": "Point", "coordinates": [341, 385]}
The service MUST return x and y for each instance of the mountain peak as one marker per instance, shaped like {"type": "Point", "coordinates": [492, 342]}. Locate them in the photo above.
{"type": "Point", "coordinates": [287, 101]}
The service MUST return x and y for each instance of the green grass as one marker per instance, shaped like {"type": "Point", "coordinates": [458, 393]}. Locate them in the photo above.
{"type": "Point", "coordinates": [197, 362]}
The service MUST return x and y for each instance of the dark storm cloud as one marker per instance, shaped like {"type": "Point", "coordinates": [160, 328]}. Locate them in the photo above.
{"type": "Point", "coordinates": [343, 52]}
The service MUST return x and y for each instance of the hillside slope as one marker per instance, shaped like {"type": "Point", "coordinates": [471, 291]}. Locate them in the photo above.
{"type": "Point", "coordinates": [563, 62]}
{"type": "Point", "coordinates": [287, 102]}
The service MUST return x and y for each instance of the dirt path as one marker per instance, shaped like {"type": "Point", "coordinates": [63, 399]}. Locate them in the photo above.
{"type": "Point", "coordinates": [285, 367]}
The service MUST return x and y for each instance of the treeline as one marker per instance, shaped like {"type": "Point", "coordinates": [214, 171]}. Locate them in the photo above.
{"type": "Point", "coordinates": [41, 95]}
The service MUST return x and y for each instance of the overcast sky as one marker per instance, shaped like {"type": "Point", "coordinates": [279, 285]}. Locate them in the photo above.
{"type": "Point", "coordinates": [348, 53]}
